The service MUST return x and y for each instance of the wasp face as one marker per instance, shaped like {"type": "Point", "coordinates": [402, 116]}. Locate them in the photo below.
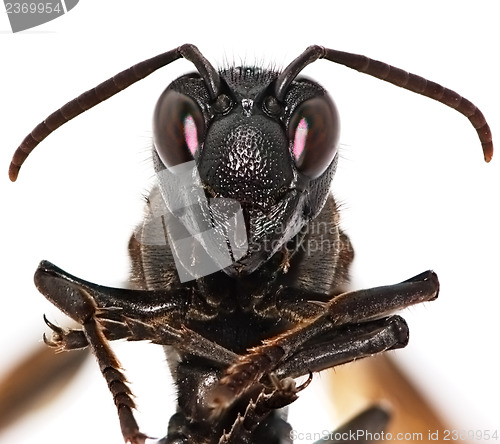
{"type": "Point", "coordinates": [275, 159]}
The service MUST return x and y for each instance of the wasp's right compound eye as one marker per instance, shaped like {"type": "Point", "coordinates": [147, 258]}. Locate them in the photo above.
{"type": "Point", "coordinates": [178, 128]}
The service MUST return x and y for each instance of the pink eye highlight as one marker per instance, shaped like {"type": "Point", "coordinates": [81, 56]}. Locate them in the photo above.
{"type": "Point", "coordinates": [191, 134]}
{"type": "Point", "coordinates": [299, 141]}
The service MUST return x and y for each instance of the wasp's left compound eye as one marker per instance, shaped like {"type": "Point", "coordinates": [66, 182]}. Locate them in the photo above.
{"type": "Point", "coordinates": [178, 128]}
{"type": "Point", "coordinates": [314, 132]}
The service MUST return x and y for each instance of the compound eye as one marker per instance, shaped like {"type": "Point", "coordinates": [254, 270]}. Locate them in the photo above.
{"type": "Point", "coordinates": [314, 131]}
{"type": "Point", "coordinates": [178, 128]}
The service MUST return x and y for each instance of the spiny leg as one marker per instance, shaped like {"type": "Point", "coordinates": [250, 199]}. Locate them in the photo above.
{"type": "Point", "coordinates": [284, 393]}
{"type": "Point", "coordinates": [345, 344]}
{"type": "Point", "coordinates": [183, 338]}
{"type": "Point", "coordinates": [111, 370]}
{"type": "Point", "coordinates": [340, 346]}
{"type": "Point", "coordinates": [106, 314]}
{"type": "Point", "coordinates": [79, 299]}
{"type": "Point", "coordinates": [348, 308]}
{"type": "Point", "coordinates": [135, 315]}
{"type": "Point", "coordinates": [76, 298]}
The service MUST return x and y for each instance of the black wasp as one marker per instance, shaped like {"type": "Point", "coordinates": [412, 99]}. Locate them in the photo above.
{"type": "Point", "coordinates": [220, 276]}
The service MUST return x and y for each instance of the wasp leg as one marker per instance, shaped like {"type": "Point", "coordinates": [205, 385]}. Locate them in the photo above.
{"type": "Point", "coordinates": [111, 370]}
{"type": "Point", "coordinates": [123, 314]}
{"type": "Point", "coordinates": [78, 299]}
{"type": "Point", "coordinates": [345, 344]}
{"type": "Point", "coordinates": [262, 413]}
{"type": "Point", "coordinates": [284, 393]}
{"type": "Point", "coordinates": [64, 339]}
{"type": "Point", "coordinates": [183, 339]}
{"type": "Point", "coordinates": [107, 313]}
{"type": "Point", "coordinates": [338, 347]}
{"type": "Point", "coordinates": [73, 339]}
{"type": "Point", "coordinates": [348, 308]}
{"type": "Point", "coordinates": [364, 428]}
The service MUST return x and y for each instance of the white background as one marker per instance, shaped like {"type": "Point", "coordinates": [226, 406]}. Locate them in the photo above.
{"type": "Point", "coordinates": [416, 193]}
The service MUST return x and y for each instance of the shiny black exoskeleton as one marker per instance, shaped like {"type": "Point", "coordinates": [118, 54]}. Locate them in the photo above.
{"type": "Point", "coordinates": [239, 269]}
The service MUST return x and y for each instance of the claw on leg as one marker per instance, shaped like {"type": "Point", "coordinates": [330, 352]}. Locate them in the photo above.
{"type": "Point", "coordinates": [64, 340]}
{"type": "Point", "coordinates": [57, 335]}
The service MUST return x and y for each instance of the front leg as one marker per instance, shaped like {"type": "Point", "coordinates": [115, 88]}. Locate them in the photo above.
{"type": "Point", "coordinates": [77, 301]}
{"type": "Point", "coordinates": [352, 308]}
{"type": "Point", "coordinates": [80, 299]}
{"type": "Point", "coordinates": [106, 314]}
{"type": "Point", "coordinates": [135, 315]}
{"type": "Point", "coordinates": [111, 370]}
{"type": "Point", "coordinates": [345, 344]}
